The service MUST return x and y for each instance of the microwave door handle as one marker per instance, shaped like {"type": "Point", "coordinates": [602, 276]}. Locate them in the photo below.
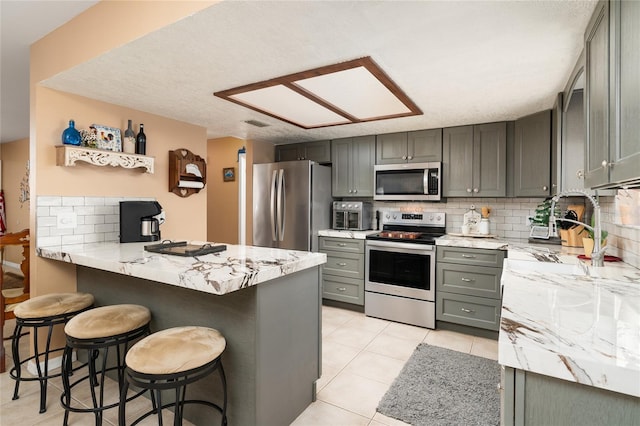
{"type": "Point", "coordinates": [274, 177]}
{"type": "Point", "coordinates": [281, 205]}
{"type": "Point", "coordinates": [425, 181]}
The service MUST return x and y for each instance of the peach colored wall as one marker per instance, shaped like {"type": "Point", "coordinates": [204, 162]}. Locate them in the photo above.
{"type": "Point", "coordinates": [15, 156]}
{"type": "Point", "coordinates": [222, 203]}
{"type": "Point", "coordinates": [74, 43]}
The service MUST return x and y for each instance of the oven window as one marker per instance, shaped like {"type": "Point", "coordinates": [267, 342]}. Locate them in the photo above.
{"type": "Point", "coordinates": [400, 182]}
{"type": "Point", "coordinates": [354, 218]}
{"type": "Point", "coordinates": [402, 269]}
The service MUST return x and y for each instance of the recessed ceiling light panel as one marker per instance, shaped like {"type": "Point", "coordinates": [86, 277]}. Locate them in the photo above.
{"type": "Point", "coordinates": [348, 92]}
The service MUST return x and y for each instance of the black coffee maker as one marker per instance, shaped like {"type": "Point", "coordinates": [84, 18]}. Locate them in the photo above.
{"type": "Point", "coordinates": [140, 221]}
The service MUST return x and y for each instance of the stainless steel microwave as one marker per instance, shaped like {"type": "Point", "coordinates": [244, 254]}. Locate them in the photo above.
{"type": "Point", "coordinates": [408, 181]}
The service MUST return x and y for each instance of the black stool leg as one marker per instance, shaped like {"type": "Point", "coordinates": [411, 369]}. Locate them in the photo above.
{"type": "Point", "coordinates": [66, 372]}
{"type": "Point", "coordinates": [224, 391]}
{"type": "Point", "coordinates": [15, 342]}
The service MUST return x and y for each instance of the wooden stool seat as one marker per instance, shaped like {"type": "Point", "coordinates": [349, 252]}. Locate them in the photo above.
{"type": "Point", "coordinates": [53, 304]}
{"type": "Point", "coordinates": [107, 321]}
{"type": "Point", "coordinates": [169, 360]}
{"type": "Point", "coordinates": [175, 350]}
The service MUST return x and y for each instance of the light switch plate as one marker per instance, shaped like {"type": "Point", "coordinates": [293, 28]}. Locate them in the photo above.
{"type": "Point", "coordinates": [67, 220]}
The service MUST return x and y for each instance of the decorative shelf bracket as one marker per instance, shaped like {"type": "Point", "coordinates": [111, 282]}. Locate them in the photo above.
{"type": "Point", "coordinates": [67, 155]}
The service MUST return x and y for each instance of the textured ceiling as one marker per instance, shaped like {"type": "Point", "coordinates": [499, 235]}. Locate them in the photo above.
{"type": "Point", "coordinates": [460, 62]}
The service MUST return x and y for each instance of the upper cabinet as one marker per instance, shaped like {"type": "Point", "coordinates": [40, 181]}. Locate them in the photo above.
{"type": "Point", "coordinates": [532, 156]}
{"type": "Point", "coordinates": [612, 95]}
{"type": "Point", "coordinates": [420, 146]}
{"type": "Point", "coordinates": [474, 160]}
{"type": "Point", "coordinates": [352, 166]}
{"type": "Point", "coordinates": [319, 151]}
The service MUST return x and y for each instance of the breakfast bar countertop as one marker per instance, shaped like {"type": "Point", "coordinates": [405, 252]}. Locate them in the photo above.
{"type": "Point", "coordinates": [220, 273]}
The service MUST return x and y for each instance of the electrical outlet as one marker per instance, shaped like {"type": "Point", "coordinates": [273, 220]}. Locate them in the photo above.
{"type": "Point", "coordinates": [67, 220]}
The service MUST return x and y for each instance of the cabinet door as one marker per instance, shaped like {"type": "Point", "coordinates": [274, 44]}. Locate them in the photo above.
{"type": "Point", "coordinates": [573, 143]}
{"type": "Point", "coordinates": [457, 161]}
{"type": "Point", "coordinates": [391, 148]}
{"type": "Point", "coordinates": [287, 152]}
{"type": "Point", "coordinates": [424, 146]}
{"type": "Point", "coordinates": [319, 151]}
{"type": "Point", "coordinates": [532, 155]}
{"type": "Point", "coordinates": [362, 160]}
{"type": "Point", "coordinates": [341, 167]}
{"type": "Point", "coordinates": [490, 160]}
{"type": "Point", "coordinates": [597, 97]}
{"type": "Point", "coordinates": [625, 150]}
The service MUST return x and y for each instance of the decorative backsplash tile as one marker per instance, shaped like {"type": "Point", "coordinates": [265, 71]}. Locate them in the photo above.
{"type": "Point", "coordinates": [97, 219]}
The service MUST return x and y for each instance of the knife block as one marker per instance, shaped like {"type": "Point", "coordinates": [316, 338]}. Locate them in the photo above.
{"type": "Point", "coordinates": [572, 237]}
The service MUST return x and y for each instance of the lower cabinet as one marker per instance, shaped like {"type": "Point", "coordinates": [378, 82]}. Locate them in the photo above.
{"type": "Point", "coordinates": [343, 274]}
{"type": "Point", "coordinates": [468, 286]}
{"type": "Point", "coordinates": [528, 398]}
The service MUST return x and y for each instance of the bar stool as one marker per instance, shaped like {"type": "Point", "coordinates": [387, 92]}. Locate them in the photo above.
{"type": "Point", "coordinates": [47, 311]}
{"type": "Point", "coordinates": [172, 359]}
{"type": "Point", "coordinates": [92, 334]}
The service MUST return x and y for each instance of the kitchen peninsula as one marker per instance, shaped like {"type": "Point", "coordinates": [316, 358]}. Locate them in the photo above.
{"type": "Point", "coordinates": [266, 302]}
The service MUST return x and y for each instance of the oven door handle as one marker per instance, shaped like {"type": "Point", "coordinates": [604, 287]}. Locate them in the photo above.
{"type": "Point", "coordinates": [399, 247]}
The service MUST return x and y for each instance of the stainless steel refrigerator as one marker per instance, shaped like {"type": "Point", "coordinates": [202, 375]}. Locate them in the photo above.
{"type": "Point", "coordinates": [291, 202]}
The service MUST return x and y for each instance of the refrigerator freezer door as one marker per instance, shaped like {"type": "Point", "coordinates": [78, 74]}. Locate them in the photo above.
{"type": "Point", "coordinates": [295, 213]}
{"type": "Point", "coordinates": [264, 197]}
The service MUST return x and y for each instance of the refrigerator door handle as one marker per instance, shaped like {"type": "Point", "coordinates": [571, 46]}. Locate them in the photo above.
{"type": "Point", "coordinates": [272, 191]}
{"type": "Point", "coordinates": [281, 205]}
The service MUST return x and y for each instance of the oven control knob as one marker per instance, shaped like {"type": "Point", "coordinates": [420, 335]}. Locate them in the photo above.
{"type": "Point", "coordinates": [387, 216]}
{"type": "Point", "coordinates": [395, 217]}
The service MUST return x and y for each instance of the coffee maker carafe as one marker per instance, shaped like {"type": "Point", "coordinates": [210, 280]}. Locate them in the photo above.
{"type": "Point", "coordinates": [140, 221]}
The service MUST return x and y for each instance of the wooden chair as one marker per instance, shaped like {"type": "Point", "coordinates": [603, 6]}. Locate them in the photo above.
{"type": "Point", "coordinates": [9, 298]}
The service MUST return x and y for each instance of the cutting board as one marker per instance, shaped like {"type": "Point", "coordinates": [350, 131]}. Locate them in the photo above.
{"type": "Point", "coordinates": [472, 218]}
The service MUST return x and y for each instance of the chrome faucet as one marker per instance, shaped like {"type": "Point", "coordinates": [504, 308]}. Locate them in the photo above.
{"type": "Point", "coordinates": [597, 257]}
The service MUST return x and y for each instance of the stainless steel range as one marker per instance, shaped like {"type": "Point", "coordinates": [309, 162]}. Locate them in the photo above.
{"type": "Point", "coordinates": [400, 269]}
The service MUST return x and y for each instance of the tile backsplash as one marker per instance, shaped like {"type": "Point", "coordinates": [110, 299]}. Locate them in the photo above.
{"type": "Point", "coordinates": [97, 219]}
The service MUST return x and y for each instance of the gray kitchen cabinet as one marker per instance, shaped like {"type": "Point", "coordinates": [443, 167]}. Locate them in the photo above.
{"type": "Point", "coordinates": [528, 398]}
{"type": "Point", "coordinates": [474, 160]}
{"type": "Point", "coordinates": [597, 97]}
{"type": "Point", "coordinates": [624, 151]}
{"type": "Point", "coordinates": [352, 166]}
{"type": "Point", "coordinates": [419, 146]}
{"type": "Point", "coordinates": [343, 274]}
{"type": "Point", "coordinates": [319, 151]}
{"type": "Point", "coordinates": [468, 288]}
{"type": "Point", "coordinates": [532, 155]}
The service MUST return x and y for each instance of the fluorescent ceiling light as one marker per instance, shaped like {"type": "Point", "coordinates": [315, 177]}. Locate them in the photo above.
{"type": "Point", "coordinates": [349, 92]}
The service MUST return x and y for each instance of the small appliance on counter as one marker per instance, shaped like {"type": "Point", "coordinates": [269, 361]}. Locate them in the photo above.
{"type": "Point", "coordinates": [140, 221]}
{"type": "Point", "coordinates": [352, 215]}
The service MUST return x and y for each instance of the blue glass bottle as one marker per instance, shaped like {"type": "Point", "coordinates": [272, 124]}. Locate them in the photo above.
{"type": "Point", "coordinates": [71, 136]}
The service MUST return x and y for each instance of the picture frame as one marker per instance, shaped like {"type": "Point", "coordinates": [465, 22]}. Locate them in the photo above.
{"type": "Point", "coordinates": [228, 174]}
{"type": "Point", "coordinates": [107, 138]}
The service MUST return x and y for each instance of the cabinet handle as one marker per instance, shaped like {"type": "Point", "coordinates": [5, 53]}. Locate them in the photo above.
{"type": "Point", "coordinates": [342, 289]}
{"type": "Point", "coordinates": [410, 157]}
{"type": "Point", "coordinates": [545, 188]}
{"type": "Point", "coordinates": [580, 174]}
{"type": "Point", "coordinates": [468, 311]}
{"type": "Point", "coordinates": [467, 280]}
{"type": "Point", "coordinates": [404, 157]}
{"type": "Point", "coordinates": [469, 256]}
{"type": "Point", "coordinates": [350, 191]}
{"type": "Point", "coordinates": [355, 190]}
{"type": "Point", "coordinates": [341, 264]}
{"type": "Point", "coordinates": [469, 190]}
{"type": "Point", "coordinates": [476, 190]}
{"type": "Point", "coordinates": [342, 244]}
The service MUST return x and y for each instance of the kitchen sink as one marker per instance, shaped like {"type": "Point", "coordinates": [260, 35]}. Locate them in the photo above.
{"type": "Point", "coordinates": [545, 267]}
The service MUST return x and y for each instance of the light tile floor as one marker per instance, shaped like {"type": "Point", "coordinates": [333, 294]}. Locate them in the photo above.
{"type": "Point", "coordinates": [361, 358]}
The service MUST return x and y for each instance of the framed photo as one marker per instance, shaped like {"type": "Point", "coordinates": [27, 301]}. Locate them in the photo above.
{"type": "Point", "coordinates": [107, 138]}
{"type": "Point", "coordinates": [228, 174]}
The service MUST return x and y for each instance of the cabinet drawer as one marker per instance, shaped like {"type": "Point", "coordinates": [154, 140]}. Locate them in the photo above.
{"type": "Point", "coordinates": [469, 256]}
{"type": "Point", "coordinates": [343, 289]}
{"type": "Point", "coordinates": [342, 244]}
{"type": "Point", "coordinates": [468, 310]}
{"type": "Point", "coordinates": [349, 265]}
{"type": "Point", "coordinates": [470, 280]}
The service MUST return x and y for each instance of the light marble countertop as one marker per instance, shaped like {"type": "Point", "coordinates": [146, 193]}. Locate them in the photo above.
{"type": "Point", "coordinates": [336, 233]}
{"type": "Point", "coordinates": [220, 273]}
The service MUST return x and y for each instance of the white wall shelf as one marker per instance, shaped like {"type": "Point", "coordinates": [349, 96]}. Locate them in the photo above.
{"type": "Point", "coordinates": [67, 155]}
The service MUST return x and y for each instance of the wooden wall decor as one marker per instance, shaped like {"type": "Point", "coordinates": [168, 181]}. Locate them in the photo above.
{"type": "Point", "coordinates": [187, 172]}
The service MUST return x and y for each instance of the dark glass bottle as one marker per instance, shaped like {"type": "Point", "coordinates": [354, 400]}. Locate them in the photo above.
{"type": "Point", "coordinates": [141, 141]}
{"type": "Point", "coordinates": [71, 136]}
{"type": "Point", "coordinates": [129, 143]}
